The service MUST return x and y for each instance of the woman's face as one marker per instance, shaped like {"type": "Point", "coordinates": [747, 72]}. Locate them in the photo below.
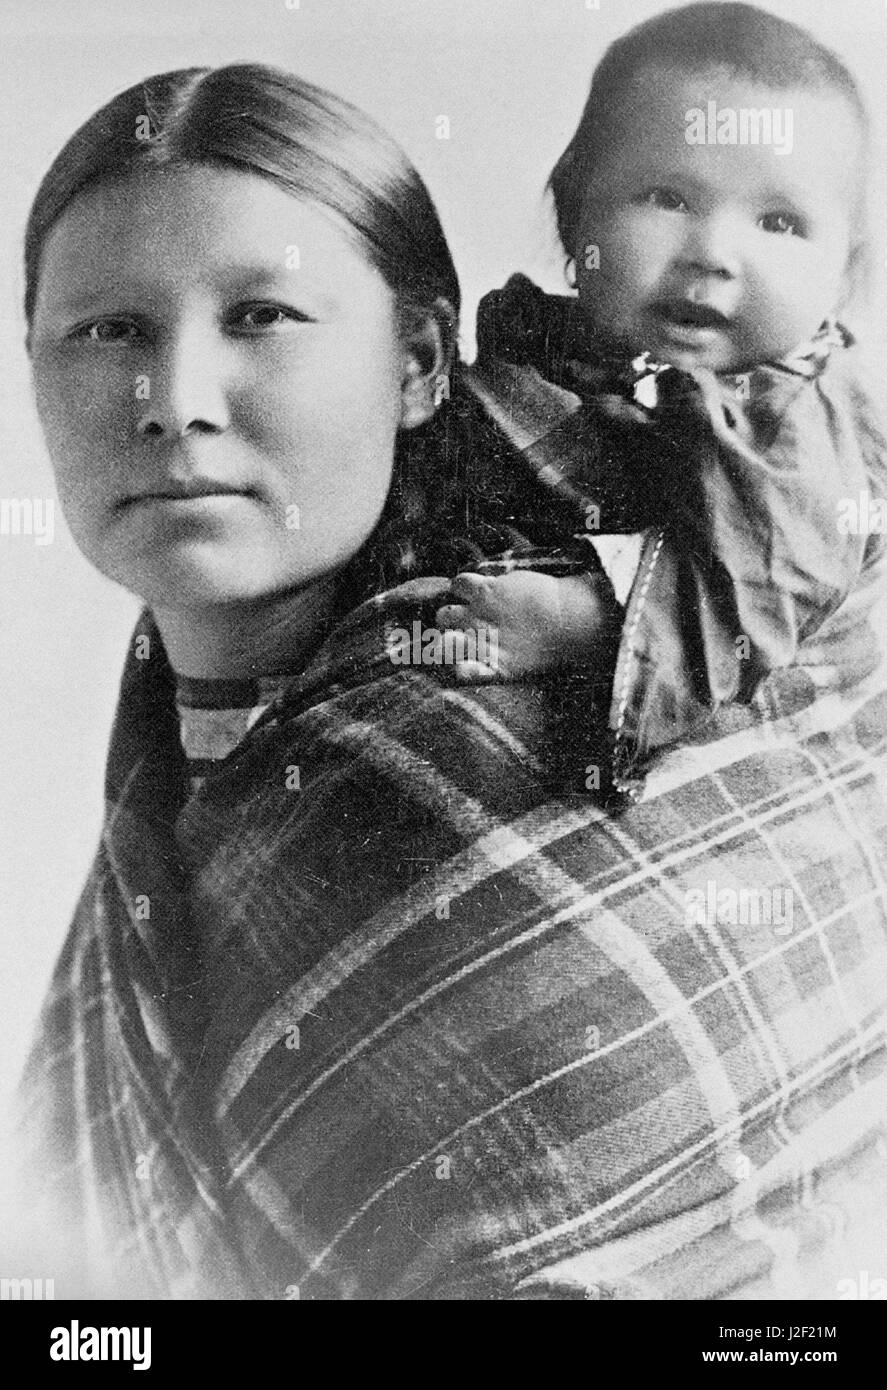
{"type": "Point", "coordinates": [219, 378]}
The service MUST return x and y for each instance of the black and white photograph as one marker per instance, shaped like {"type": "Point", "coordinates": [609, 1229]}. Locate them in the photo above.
{"type": "Point", "coordinates": [443, 540]}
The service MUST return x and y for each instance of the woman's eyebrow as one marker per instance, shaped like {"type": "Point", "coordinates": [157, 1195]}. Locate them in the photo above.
{"type": "Point", "coordinates": [279, 280]}
{"type": "Point", "coordinates": [133, 296]}
{"type": "Point", "coordinates": [83, 302]}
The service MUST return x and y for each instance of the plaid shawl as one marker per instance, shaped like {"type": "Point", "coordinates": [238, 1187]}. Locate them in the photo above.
{"type": "Point", "coordinates": [394, 1008]}
{"type": "Point", "coordinates": [384, 1012]}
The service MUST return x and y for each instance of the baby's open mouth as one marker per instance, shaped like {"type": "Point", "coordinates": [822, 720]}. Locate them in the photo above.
{"type": "Point", "coordinates": [685, 313]}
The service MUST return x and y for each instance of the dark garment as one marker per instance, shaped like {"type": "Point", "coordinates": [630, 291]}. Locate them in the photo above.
{"type": "Point", "coordinates": [738, 483]}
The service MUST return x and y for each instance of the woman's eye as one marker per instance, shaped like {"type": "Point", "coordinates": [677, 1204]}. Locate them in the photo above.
{"type": "Point", "coordinates": [783, 223]}
{"type": "Point", "coordinates": [665, 198]}
{"type": "Point", "coordinates": [109, 331]}
{"type": "Point", "coordinates": [256, 318]}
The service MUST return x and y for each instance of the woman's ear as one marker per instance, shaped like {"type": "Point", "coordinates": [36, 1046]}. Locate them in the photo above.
{"type": "Point", "coordinates": [429, 341]}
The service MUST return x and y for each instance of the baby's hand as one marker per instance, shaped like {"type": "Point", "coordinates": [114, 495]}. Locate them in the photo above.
{"type": "Point", "coordinates": [529, 622]}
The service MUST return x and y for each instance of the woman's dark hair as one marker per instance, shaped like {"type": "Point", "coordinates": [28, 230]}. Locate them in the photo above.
{"type": "Point", "coordinates": [264, 121]}
{"type": "Point", "coordinates": [314, 146]}
{"type": "Point", "coordinates": [746, 41]}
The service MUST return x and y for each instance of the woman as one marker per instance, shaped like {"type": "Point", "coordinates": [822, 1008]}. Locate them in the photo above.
{"type": "Point", "coordinates": [354, 1004]}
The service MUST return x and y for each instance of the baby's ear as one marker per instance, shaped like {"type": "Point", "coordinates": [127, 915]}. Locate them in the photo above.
{"type": "Point", "coordinates": [429, 348]}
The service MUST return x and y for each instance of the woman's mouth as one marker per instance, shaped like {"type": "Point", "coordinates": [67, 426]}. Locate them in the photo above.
{"type": "Point", "coordinates": [175, 491]}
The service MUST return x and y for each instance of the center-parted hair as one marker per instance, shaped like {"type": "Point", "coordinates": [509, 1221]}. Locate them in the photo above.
{"type": "Point", "coordinates": [317, 147]}
{"type": "Point", "coordinates": [264, 121]}
{"type": "Point", "coordinates": [742, 39]}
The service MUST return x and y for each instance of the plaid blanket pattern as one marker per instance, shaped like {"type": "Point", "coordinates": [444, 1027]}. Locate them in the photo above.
{"type": "Point", "coordinates": [417, 1023]}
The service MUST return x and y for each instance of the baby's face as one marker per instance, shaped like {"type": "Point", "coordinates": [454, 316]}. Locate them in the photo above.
{"type": "Point", "coordinates": [717, 255]}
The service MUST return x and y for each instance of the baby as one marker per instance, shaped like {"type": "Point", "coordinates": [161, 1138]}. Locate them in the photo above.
{"type": "Point", "coordinates": [712, 204]}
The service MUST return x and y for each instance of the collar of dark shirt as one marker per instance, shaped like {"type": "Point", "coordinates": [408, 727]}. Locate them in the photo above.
{"type": "Point", "coordinates": [524, 325]}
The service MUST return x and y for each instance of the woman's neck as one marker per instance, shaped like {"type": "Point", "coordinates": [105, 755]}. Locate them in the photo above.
{"type": "Point", "coordinates": [265, 637]}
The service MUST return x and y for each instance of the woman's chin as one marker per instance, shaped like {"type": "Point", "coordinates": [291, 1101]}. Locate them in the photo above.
{"type": "Point", "coordinates": [199, 580]}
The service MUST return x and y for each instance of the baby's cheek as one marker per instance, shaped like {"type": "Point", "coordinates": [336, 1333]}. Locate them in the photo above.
{"type": "Point", "coordinates": [621, 272]}
{"type": "Point", "coordinates": [782, 313]}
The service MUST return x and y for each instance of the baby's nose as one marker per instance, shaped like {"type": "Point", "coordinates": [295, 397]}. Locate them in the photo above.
{"type": "Point", "coordinates": [711, 247]}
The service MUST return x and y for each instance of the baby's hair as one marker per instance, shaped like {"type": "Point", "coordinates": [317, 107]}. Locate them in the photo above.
{"type": "Point", "coordinates": [267, 122]}
{"type": "Point", "coordinates": [744, 40]}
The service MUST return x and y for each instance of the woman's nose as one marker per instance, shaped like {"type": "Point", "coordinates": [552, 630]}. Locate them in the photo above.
{"type": "Point", "coordinates": [711, 246]}
{"type": "Point", "coordinates": [185, 392]}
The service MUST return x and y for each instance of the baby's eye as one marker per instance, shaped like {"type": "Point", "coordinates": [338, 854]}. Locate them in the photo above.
{"type": "Point", "coordinates": [262, 316]}
{"type": "Point", "coordinates": [109, 332]}
{"type": "Point", "coordinates": [665, 198]}
{"type": "Point", "coordinates": [782, 223]}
